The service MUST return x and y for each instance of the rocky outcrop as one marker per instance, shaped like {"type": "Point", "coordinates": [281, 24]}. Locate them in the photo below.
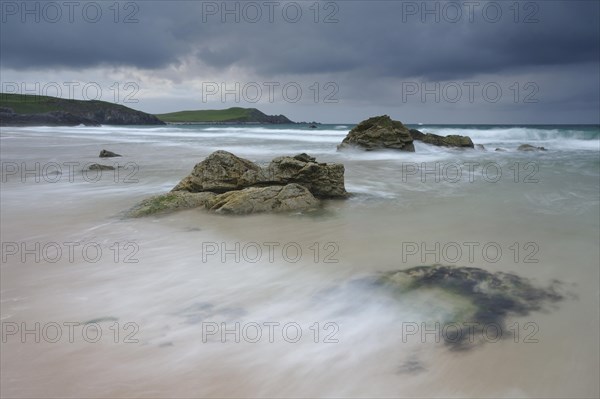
{"type": "Point", "coordinates": [291, 197]}
{"type": "Point", "coordinates": [108, 154]}
{"type": "Point", "coordinates": [32, 110]}
{"type": "Point", "coordinates": [322, 179]}
{"type": "Point", "coordinates": [226, 184]}
{"type": "Point", "coordinates": [222, 171]}
{"type": "Point", "coordinates": [171, 202]}
{"type": "Point", "coordinates": [120, 115]}
{"type": "Point", "coordinates": [442, 141]}
{"type": "Point", "coordinates": [379, 132]}
{"type": "Point", "coordinates": [529, 147]}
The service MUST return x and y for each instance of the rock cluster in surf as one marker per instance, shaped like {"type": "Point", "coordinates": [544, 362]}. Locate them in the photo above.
{"type": "Point", "coordinates": [227, 184]}
{"type": "Point", "coordinates": [381, 132]}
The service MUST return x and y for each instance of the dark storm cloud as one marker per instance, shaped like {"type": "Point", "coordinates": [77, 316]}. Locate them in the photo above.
{"type": "Point", "coordinates": [371, 39]}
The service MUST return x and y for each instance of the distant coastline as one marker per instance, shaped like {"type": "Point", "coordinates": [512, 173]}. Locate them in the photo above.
{"type": "Point", "coordinates": [33, 110]}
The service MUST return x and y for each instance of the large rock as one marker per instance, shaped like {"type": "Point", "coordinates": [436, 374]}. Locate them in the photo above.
{"type": "Point", "coordinates": [442, 141]}
{"type": "Point", "coordinates": [171, 202]}
{"type": "Point", "coordinates": [225, 183]}
{"type": "Point", "coordinates": [379, 132]}
{"type": "Point", "coordinates": [322, 179]}
{"type": "Point", "coordinates": [220, 172]}
{"type": "Point", "coordinates": [292, 197]}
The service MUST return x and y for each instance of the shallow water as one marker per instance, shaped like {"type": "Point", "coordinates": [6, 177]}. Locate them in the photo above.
{"type": "Point", "coordinates": [167, 281]}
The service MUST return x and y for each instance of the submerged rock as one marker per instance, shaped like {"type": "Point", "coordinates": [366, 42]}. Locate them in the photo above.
{"type": "Point", "coordinates": [108, 154]}
{"type": "Point", "coordinates": [529, 147]}
{"type": "Point", "coordinates": [292, 197]}
{"type": "Point", "coordinates": [442, 141]}
{"type": "Point", "coordinates": [170, 202]}
{"type": "Point", "coordinates": [480, 147]}
{"type": "Point", "coordinates": [379, 132]}
{"type": "Point", "coordinates": [500, 150]}
{"type": "Point", "coordinates": [480, 297]}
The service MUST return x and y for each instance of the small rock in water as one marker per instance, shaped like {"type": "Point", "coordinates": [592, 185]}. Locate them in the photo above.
{"type": "Point", "coordinates": [480, 147]}
{"type": "Point", "coordinates": [500, 150]}
{"type": "Point", "coordinates": [529, 147]}
{"type": "Point", "coordinates": [101, 320]}
{"type": "Point", "coordinates": [108, 154]}
{"type": "Point", "coordinates": [97, 166]}
{"type": "Point", "coordinates": [442, 141]}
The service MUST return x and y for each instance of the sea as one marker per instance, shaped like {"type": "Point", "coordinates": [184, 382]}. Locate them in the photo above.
{"type": "Point", "coordinates": [196, 304]}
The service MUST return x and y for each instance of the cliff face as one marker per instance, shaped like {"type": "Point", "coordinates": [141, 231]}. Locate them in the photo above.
{"type": "Point", "coordinates": [117, 116]}
{"type": "Point", "coordinates": [258, 116]}
{"type": "Point", "coordinates": [22, 110]}
{"type": "Point", "coordinates": [54, 118]}
{"type": "Point", "coordinates": [232, 115]}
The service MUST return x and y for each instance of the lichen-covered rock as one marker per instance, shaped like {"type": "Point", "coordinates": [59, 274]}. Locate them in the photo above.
{"type": "Point", "coordinates": [170, 202]}
{"type": "Point", "coordinates": [220, 172]}
{"type": "Point", "coordinates": [324, 180]}
{"type": "Point", "coordinates": [442, 141]}
{"type": "Point", "coordinates": [529, 147]}
{"type": "Point", "coordinates": [292, 197]}
{"type": "Point", "coordinates": [225, 183]}
{"type": "Point", "coordinates": [108, 154]}
{"type": "Point", "coordinates": [379, 132]}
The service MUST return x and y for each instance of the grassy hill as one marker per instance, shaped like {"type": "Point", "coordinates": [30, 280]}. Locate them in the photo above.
{"type": "Point", "coordinates": [100, 112]}
{"type": "Point", "coordinates": [230, 115]}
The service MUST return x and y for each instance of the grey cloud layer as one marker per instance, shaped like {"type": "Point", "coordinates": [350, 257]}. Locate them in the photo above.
{"type": "Point", "coordinates": [371, 38]}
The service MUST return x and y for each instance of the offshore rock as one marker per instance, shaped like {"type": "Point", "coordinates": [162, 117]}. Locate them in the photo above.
{"type": "Point", "coordinates": [442, 141]}
{"type": "Point", "coordinates": [108, 154]}
{"type": "Point", "coordinates": [377, 133]}
{"type": "Point", "coordinates": [529, 147]}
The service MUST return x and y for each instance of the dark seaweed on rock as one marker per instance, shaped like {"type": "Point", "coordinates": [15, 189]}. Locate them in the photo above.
{"type": "Point", "coordinates": [494, 296]}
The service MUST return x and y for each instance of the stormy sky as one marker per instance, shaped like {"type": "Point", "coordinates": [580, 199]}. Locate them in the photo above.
{"type": "Point", "coordinates": [330, 61]}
